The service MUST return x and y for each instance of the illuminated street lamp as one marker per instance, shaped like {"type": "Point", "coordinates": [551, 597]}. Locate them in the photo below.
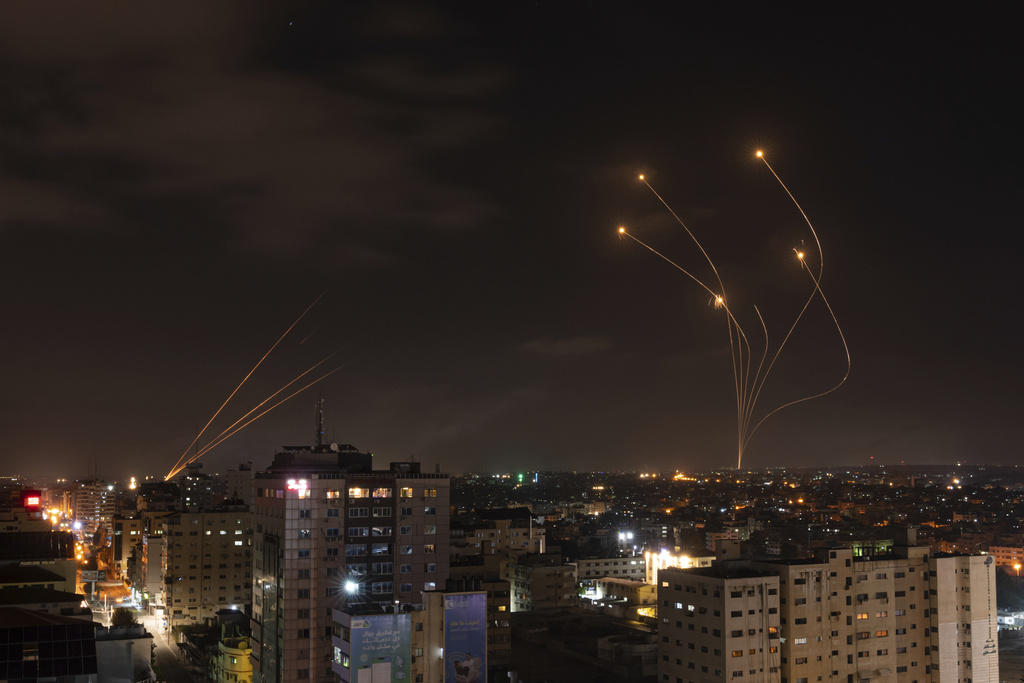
{"type": "Point", "coordinates": [1017, 567]}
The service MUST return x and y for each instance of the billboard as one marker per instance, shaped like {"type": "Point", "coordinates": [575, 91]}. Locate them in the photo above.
{"type": "Point", "coordinates": [381, 648]}
{"type": "Point", "coordinates": [465, 638]}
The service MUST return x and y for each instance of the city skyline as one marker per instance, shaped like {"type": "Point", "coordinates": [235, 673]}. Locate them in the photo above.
{"type": "Point", "coordinates": [180, 183]}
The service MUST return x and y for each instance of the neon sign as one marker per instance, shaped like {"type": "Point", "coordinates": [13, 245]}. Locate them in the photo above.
{"type": "Point", "coordinates": [298, 485]}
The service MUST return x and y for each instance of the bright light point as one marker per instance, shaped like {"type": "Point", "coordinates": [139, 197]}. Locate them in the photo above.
{"type": "Point", "coordinates": [800, 255]}
{"type": "Point", "coordinates": [641, 176]}
{"type": "Point", "coordinates": [719, 299]}
{"type": "Point", "coordinates": [351, 586]}
{"type": "Point", "coordinates": [760, 154]}
{"type": "Point", "coordinates": [622, 231]}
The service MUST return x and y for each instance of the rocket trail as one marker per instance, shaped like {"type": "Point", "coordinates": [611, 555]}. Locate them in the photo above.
{"type": "Point", "coordinates": [259, 405]}
{"type": "Point", "coordinates": [246, 378]}
{"type": "Point", "coordinates": [849, 365]}
{"type": "Point", "coordinates": [748, 387]}
{"type": "Point", "coordinates": [223, 438]}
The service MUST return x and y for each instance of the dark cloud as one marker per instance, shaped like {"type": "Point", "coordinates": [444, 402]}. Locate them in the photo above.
{"type": "Point", "coordinates": [178, 181]}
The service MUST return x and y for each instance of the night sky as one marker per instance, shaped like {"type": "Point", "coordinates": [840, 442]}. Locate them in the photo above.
{"type": "Point", "coordinates": [179, 181]}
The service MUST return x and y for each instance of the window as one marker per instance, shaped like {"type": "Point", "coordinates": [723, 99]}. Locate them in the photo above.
{"type": "Point", "coordinates": [430, 511]}
{"type": "Point", "coordinates": [359, 531]}
{"type": "Point", "coordinates": [862, 615]}
{"type": "Point", "coordinates": [304, 554]}
{"type": "Point", "coordinates": [405, 569]}
{"type": "Point", "coordinates": [405, 492]}
{"type": "Point", "coordinates": [881, 633]}
{"type": "Point", "coordinates": [304, 514]}
{"type": "Point", "coordinates": [382, 492]}
{"type": "Point", "coordinates": [332, 512]}
{"type": "Point", "coordinates": [405, 588]}
{"type": "Point", "coordinates": [354, 550]}
{"type": "Point", "coordinates": [332, 552]}
{"type": "Point", "coordinates": [333, 533]}
{"type": "Point", "coordinates": [359, 512]}
{"type": "Point", "coordinates": [405, 530]}
{"type": "Point", "coordinates": [799, 641]}
{"type": "Point", "coordinates": [428, 548]}
{"type": "Point", "coordinates": [381, 512]}
{"type": "Point", "coordinates": [356, 492]}
{"type": "Point", "coordinates": [381, 549]}
{"type": "Point", "coordinates": [378, 587]}
{"type": "Point", "coordinates": [737, 653]}
{"type": "Point", "coordinates": [430, 529]}
{"type": "Point", "coordinates": [382, 530]}
{"type": "Point", "coordinates": [430, 493]}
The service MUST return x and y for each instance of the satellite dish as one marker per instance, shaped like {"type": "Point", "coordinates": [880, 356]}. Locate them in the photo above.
{"type": "Point", "coordinates": [334, 447]}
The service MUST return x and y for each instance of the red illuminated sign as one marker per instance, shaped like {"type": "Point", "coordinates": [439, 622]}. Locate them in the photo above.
{"type": "Point", "coordinates": [31, 499]}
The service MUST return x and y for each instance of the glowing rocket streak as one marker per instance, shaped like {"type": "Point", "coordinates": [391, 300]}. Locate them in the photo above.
{"type": "Point", "coordinates": [741, 372]}
{"type": "Point", "coordinates": [748, 389]}
{"type": "Point", "coordinates": [719, 300]}
{"type": "Point", "coordinates": [246, 424]}
{"type": "Point", "coordinates": [259, 405]}
{"type": "Point", "coordinates": [846, 348]}
{"type": "Point", "coordinates": [183, 455]}
{"type": "Point", "coordinates": [821, 256]}
{"type": "Point", "coordinates": [817, 289]}
{"type": "Point", "coordinates": [756, 387]}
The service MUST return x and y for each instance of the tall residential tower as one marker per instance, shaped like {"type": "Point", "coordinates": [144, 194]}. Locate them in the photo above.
{"type": "Point", "coordinates": [332, 533]}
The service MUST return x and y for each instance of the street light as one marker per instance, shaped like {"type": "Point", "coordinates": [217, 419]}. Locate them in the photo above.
{"type": "Point", "coordinates": [1017, 567]}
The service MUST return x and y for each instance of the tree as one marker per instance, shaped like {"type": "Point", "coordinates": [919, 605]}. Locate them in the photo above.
{"type": "Point", "coordinates": [123, 616]}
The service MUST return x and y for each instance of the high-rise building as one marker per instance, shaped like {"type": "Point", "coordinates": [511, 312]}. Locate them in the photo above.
{"type": "Point", "coordinates": [207, 563]}
{"type": "Point", "coordinates": [902, 616]}
{"type": "Point", "coordinates": [332, 533]}
{"type": "Point", "coordinates": [94, 503]}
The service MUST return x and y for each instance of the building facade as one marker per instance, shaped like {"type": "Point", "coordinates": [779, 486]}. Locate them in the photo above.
{"type": "Point", "coordinates": [332, 533]}
{"type": "Point", "coordinates": [207, 563]}
{"type": "Point", "coordinates": [903, 616]}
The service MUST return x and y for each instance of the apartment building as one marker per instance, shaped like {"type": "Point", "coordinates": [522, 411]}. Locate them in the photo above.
{"type": "Point", "coordinates": [904, 616]}
{"type": "Point", "coordinates": [94, 503]}
{"type": "Point", "coordinates": [589, 570]}
{"type": "Point", "coordinates": [332, 533]}
{"type": "Point", "coordinates": [207, 563]}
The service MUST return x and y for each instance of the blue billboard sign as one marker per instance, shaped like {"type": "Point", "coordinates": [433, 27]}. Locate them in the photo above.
{"type": "Point", "coordinates": [381, 648]}
{"type": "Point", "coordinates": [465, 638]}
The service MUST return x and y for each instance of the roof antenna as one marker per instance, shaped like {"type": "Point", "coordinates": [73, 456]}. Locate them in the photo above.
{"type": "Point", "coordinates": [320, 421]}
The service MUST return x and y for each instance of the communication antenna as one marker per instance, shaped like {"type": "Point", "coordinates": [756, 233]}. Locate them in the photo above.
{"type": "Point", "coordinates": [320, 421]}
